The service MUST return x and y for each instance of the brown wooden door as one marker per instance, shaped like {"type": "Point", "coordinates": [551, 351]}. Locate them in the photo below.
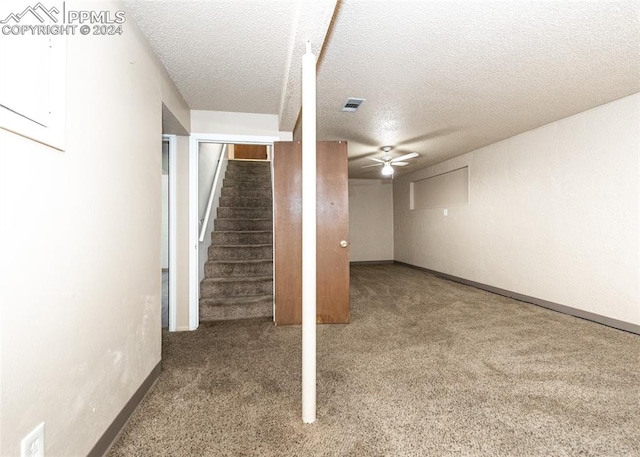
{"type": "Point", "coordinates": [332, 229]}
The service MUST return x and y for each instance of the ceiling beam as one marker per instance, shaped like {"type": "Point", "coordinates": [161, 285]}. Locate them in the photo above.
{"type": "Point", "coordinates": [311, 24]}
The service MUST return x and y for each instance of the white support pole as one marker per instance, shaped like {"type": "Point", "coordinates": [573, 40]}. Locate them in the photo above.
{"type": "Point", "coordinates": [309, 236]}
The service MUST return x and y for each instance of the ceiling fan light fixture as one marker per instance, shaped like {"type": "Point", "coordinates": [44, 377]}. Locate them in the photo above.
{"type": "Point", "coordinates": [387, 170]}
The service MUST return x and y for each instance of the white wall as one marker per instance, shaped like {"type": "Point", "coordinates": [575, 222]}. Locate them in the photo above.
{"type": "Point", "coordinates": [208, 156]}
{"type": "Point", "coordinates": [80, 242]}
{"type": "Point", "coordinates": [165, 222]}
{"type": "Point", "coordinates": [370, 219]}
{"type": "Point", "coordinates": [553, 214]}
{"type": "Point", "coordinates": [228, 123]}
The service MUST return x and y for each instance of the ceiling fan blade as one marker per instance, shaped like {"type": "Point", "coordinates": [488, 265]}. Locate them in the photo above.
{"type": "Point", "coordinates": [372, 165]}
{"type": "Point", "coordinates": [405, 157]}
{"type": "Point", "coordinates": [376, 159]}
{"type": "Point", "coordinates": [400, 164]}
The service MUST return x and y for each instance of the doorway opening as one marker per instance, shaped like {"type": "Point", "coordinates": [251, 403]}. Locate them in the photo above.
{"type": "Point", "coordinates": [168, 232]}
{"type": "Point", "coordinates": [204, 196]}
{"type": "Point", "coordinates": [165, 233]}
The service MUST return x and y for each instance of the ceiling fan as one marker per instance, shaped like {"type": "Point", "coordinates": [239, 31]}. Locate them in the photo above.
{"type": "Point", "coordinates": [387, 162]}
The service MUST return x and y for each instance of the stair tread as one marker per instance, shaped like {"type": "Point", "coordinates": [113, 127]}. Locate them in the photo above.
{"type": "Point", "coordinates": [241, 279]}
{"type": "Point", "coordinates": [243, 218]}
{"type": "Point", "coordinates": [240, 261]}
{"type": "Point", "coordinates": [261, 245]}
{"type": "Point", "coordinates": [234, 300]}
{"type": "Point", "coordinates": [252, 198]}
{"type": "Point", "coordinates": [243, 231]}
{"type": "Point", "coordinates": [238, 179]}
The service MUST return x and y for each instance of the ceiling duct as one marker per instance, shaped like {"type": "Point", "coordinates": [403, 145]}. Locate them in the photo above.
{"type": "Point", "coordinates": [352, 104]}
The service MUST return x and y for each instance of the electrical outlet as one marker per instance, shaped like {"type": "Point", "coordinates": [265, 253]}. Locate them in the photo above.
{"type": "Point", "coordinates": [446, 212]}
{"type": "Point", "coordinates": [32, 445]}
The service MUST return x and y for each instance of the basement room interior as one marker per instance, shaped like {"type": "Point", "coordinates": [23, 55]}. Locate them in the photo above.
{"type": "Point", "coordinates": [319, 228]}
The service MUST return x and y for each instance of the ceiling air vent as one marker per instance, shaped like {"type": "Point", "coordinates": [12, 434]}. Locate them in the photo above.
{"type": "Point", "coordinates": [352, 105]}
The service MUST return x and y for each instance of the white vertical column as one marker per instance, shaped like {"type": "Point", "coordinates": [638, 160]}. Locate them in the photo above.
{"type": "Point", "coordinates": [308, 236]}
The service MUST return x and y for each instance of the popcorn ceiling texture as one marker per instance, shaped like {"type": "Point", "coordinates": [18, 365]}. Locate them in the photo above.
{"type": "Point", "coordinates": [439, 78]}
{"type": "Point", "coordinates": [229, 54]}
{"type": "Point", "coordinates": [427, 367]}
{"type": "Point", "coordinates": [445, 78]}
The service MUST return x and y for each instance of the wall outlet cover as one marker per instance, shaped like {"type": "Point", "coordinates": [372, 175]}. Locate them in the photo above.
{"type": "Point", "coordinates": [32, 445]}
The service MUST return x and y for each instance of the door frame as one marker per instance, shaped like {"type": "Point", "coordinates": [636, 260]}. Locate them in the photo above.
{"type": "Point", "coordinates": [173, 225]}
{"type": "Point", "coordinates": [194, 142]}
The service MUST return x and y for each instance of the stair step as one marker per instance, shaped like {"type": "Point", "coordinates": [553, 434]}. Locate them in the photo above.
{"type": "Point", "coordinates": [242, 237]}
{"type": "Point", "coordinates": [263, 172]}
{"type": "Point", "coordinates": [218, 309]}
{"type": "Point", "coordinates": [244, 176]}
{"type": "Point", "coordinates": [239, 192]}
{"type": "Point", "coordinates": [236, 287]}
{"type": "Point", "coordinates": [238, 268]}
{"type": "Point", "coordinates": [246, 202]}
{"type": "Point", "coordinates": [231, 212]}
{"type": "Point", "coordinates": [240, 252]}
{"type": "Point", "coordinates": [250, 163]}
{"type": "Point", "coordinates": [262, 165]}
{"type": "Point", "coordinates": [243, 224]}
{"type": "Point", "coordinates": [246, 184]}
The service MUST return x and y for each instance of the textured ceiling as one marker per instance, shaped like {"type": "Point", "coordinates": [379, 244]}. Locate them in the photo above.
{"type": "Point", "coordinates": [222, 55]}
{"type": "Point", "coordinates": [440, 78]}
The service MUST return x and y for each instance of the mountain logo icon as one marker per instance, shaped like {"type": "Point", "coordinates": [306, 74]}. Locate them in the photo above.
{"type": "Point", "coordinates": [39, 11]}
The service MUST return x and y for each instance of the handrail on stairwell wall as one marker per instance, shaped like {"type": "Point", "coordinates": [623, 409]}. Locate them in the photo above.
{"type": "Point", "coordinates": [212, 192]}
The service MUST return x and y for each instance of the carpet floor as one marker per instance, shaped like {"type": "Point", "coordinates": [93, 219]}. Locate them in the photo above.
{"type": "Point", "coordinates": [426, 367]}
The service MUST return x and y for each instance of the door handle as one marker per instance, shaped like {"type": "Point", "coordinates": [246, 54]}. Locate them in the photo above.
{"type": "Point", "coordinates": [344, 244]}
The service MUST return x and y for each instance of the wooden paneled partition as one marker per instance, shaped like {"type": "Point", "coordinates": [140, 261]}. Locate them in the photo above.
{"type": "Point", "coordinates": [250, 151]}
{"type": "Point", "coordinates": [332, 232]}
{"type": "Point", "coordinates": [287, 225]}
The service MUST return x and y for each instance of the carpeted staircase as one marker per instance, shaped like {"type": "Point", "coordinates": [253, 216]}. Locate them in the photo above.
{"type": "Point", "coordinates": [238, 280]}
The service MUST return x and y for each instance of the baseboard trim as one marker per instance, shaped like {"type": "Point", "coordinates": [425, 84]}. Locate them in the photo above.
{"type": "Point", "coordinates": [372, 262]}
{"type": "Point", "coordinates": [608, 321]}
{"type": "Point", "coordinates": [109, 436]}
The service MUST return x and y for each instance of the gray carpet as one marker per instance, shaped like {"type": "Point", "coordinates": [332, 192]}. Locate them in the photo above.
{"type": "Point", "coordinates": [427, 367]}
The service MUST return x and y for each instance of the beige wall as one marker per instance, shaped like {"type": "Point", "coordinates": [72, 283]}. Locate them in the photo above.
{"type": "Point", "coordinates": [370, 219]}
{"type": "Point", "coordinates": [553, 214]}
{"type": "Point", "coordinates": [182, 235]}
{"type": "Point", "coordinates": [441, 191]}
{"type": "Point", "coordinates": [80, 242]}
